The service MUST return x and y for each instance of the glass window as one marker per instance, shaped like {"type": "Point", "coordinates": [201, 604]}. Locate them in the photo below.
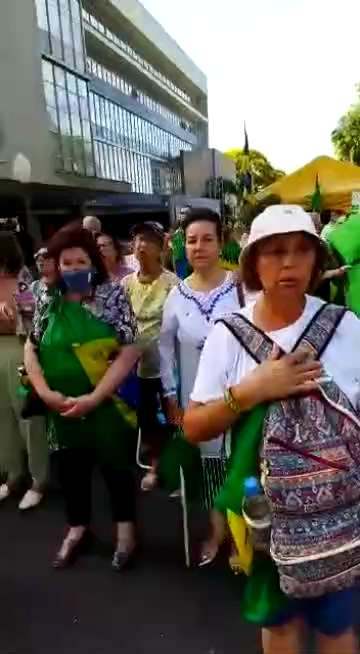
{"type": "Point", "coordinates": [97, 159]}
{"type": "Point", "coordinates": [132, 131]}
{"type": "Point", "coordinates": [116, 164]}
{"type": "Point", "coordinates": [78, 46]}
{"type": "Point", "coordinates": [143, 173]}
{"type": "Point", "coordinates": [67, 152]}
{"type": "Point", "coordinates": [75, 115]}
{"type": "Point", "coordinates": [127, 130]}
{"type": "Point", "coordinates": [84, 108]}
{"type": "Point", "coordinates": [53, 116]}
{"type": "Point", "coordinates": [63, 106]}
{"type": "Point", "coordinates": [47, 71]}
{"type": "Point", "coordinates": [115, 172]}
{"type": "Point", "coordinates": [122, 126]}
{"type": "Point", "coordinates": [127, 166]}
{"type": "Point", "coordinates": [95, 114]}
{"type": "Point", "coordinates": [71, 83]}
{"type": "Point", "coordinates": [140, 135]}
{"type": "Point", "coordinates": [59, 76]}
{"type": "Point", "coordinates": [108, 120]}
{"type": "Point", "coordinates": [55, 30]}
{"type": "Point", "coordinates": [131, 167]}
{"type": "Point", "coordinates": [78, 155]}
{"type": "Point", "coordinates": [146, 130]}
{"type": "Point", "coordinates": [77, 37]}
{"type": "Point", "coordinates": [100, 117]}
{"type": "Point", "coordinates": [42, 15]}
{"type": "Point", "coordinates": [136, 173]}
{"type": "Point", "coordinates": [101, 162]}
{"type": "Point", "coordinates": [113, 119]}
{"type": "Point", "coordinates": [112, 108]}
{"type": "Point", "coordinates": [82, 87]}
{"type": "Point", "coordinates": [121, 164]}
{"type": "Point", "coordinates": [49, 94]}
{"type": "Point", "coordinates": [89, 159]}
{"type": "Point", "coordinates": [75, 10]}
{"type": "Point", "coordinates": [143, 161]}
{"type": "Point", "coordinates": [109, 151]}
{"type": "Point", "coordinates": [121, 136]}
{"type": "Point", "coordinates": [158, 141]}
{"type": "Point", "coordinates": [63, 111]}
{"type": "Point", "coordinates": [108, 161]}
{"type": "Point", "coordinates": [86, 130]}
{"type": "Point", "coordinates": [148, 175]}
{"type": "Point", "coordinates": [67, 32]}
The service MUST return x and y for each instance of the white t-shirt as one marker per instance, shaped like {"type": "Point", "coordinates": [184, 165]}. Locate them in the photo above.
{"type": "Point", "coordinates": [224, 362]}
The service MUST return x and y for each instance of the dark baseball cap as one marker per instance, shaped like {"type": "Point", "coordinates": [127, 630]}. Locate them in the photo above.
{"type": "Point", "coordinates": [151, 228]}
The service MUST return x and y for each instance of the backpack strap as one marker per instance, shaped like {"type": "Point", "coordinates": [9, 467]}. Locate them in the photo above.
{"type": "Point", "coordinates": [316, 336]}
{"type": "Point", "coordinates": [253, 340]}
{"type": "Point", "coordinates": [239, 289]}
{"type": "Point", "coordinates": [321, 328]}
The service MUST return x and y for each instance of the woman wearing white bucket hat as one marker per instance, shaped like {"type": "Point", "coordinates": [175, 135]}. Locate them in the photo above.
{"type": "Point", "coordinates": [284, 259]}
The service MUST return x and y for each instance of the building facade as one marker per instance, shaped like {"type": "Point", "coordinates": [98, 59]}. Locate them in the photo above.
{"type": "Point", "coordinates": [97, 96]}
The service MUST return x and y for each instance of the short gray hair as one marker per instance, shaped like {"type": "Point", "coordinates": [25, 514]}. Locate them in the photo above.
{"type": "Point", "coordinates": [92, 224]}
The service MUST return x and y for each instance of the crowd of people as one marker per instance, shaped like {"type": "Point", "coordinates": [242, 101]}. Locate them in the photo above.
{"type": "Point", "coordinates": [250, 366]}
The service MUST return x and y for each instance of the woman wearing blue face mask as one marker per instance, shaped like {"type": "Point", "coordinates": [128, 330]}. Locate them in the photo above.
{"type": "Point", "coordinates": [79, 355]}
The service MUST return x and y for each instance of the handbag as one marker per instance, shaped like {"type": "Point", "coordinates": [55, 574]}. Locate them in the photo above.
{"type": "Point", "coordinates": [32, 404]}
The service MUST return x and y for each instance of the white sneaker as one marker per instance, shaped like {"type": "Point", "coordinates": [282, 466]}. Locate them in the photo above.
{"type": "Point", "coordinates": [31, 499]}
{"type": "Point", "coordinates": [4, 492]}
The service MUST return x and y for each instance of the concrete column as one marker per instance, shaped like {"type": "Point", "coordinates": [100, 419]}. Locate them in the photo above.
{"type": "Point", "coordinates": [23, 118]}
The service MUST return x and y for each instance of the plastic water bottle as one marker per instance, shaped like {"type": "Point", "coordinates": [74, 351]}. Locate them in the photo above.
{"type": "Point", "coordinates": [256, 513]}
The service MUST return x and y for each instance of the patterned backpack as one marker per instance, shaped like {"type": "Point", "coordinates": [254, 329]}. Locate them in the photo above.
{"type": "Point", "coordinates": [311, 470]}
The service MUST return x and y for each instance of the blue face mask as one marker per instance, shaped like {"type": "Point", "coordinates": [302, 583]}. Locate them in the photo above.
{"type": "Point", "coordinates": [78, 281]}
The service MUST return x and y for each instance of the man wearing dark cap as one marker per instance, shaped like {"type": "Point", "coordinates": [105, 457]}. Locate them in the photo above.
{"type": "Point", "coordinates": [148, 289]}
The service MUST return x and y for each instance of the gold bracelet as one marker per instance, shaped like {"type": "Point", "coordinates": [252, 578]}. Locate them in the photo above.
{"type": "Point", "coordinates": [231, 402]}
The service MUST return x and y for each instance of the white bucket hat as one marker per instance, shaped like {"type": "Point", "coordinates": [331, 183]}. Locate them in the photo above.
{"type": "Point", "coordinates": [280, 219]}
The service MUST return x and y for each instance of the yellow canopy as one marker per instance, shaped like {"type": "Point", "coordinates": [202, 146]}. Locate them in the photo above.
{"type": "Point", "coordinates": [337, 180]}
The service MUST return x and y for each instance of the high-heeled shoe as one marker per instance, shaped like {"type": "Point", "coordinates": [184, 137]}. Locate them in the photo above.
{"type": "Point", "coordinates": [76, 548]}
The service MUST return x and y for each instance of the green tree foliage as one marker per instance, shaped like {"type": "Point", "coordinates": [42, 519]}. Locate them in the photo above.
{"type": "Point", "coordinates": [262, 172]}
{"type": "Point", "coordinates": [250, 208]}
{"type": "Point", "coordinates": [346, 136]}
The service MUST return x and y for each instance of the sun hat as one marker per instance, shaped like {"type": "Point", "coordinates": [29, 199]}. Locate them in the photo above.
{"type": "Point", "coordinates": [280, 219]}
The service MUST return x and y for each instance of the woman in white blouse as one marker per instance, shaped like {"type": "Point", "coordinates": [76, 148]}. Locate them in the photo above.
{"type": "Point", "coordinates": [189, 313]}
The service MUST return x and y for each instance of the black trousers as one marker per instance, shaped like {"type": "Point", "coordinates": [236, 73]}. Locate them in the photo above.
{"type": "Point", "coordinates": [151, 399]}
{"type": "Point", "coordinates": [75, 471]}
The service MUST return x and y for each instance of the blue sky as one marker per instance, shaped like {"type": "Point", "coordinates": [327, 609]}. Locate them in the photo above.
{"type": "Point", "coordinates": [287, 67]}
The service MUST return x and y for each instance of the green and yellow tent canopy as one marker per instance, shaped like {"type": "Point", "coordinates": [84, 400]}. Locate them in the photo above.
{"type": "Point", "coordinates": [337, 181]}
